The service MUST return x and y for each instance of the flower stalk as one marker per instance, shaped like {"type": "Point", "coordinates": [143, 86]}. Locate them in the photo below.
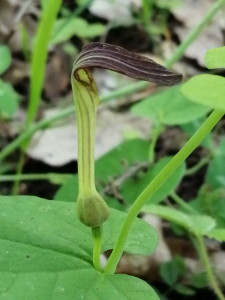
{"type": "Point", "coordinates": [91, 208]}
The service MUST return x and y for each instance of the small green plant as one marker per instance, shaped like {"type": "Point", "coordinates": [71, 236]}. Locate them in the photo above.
{"type": "Point", "coordinates": [51, 243]}
{"type": "Point", "coordinates": [38, 60]}
{"type": "Point", "coordinates": [172, 273]}
{"type": "Point", "coordinates": [8, 98]}
{"type": "Point", "coordinates": [46, 252]}
{"type": "Point", "coordinates": [195, 223]}
{"type": "Point", "coordinates": [156, 25]}
{"type": "Point", "coordinates": [91, 208]}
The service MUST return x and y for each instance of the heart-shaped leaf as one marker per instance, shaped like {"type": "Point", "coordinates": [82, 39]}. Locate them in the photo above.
{"type": "Point", "coordinates": [109, 166]}
{"type": "Point", "coordinates": [215, 58]}
{"type": "Point", "coordinates": [134, 186]}
{"type": "Point", "coordinates": [46, 253]}
{"type": "Point", "coordinates": [169, 107]}
{"type": "Point", "coordinates": [64, 29]}
{"type": "Point", "coordinates": [195, 223]}
{"type": "Point", "coordinates": [8, 99]}
{"type": "Point", "coordinates": [207, 90]}
{"type": "Point", "coordinates": [218, 234]}
{"type": "Point", "coordinates": [5, 58]}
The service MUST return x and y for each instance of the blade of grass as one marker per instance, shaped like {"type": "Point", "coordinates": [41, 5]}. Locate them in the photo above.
{"type": "Point", "coordinates": [76, 12]}
{"type": "Point", "coordinates": [38, 61]}
{"type": "Point", "coordinates": [39, 56]}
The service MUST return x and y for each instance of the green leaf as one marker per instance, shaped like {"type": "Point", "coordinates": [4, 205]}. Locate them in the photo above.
{"type": "Point", "coordinates": [199, 280]}
{"type": "Point", "coordinates": [218, 208]}
{"type": "Point", "coordinates": [182, 289]}
{"type": "Point", "coordinates": [82, 2]}
{"type": "Point", "coordinates": [206, 89]}
{"type": "Point", "coordinates": [170, 107]}
{"type": "Point", "coordinates": [211, 203]}
{"type": "Point", "coordinates": [169, 272]}
{"type": "Point", "coordinates": [109, 166]}
{"type": "Point", "coordinates": [8, 99]}
{"type": "Point", "coordinates": [201, 224]}
{"type": "Point", "coordinates": [46, 253]}
{"type": "Point", "coordinates": [216, 171]}
{"type": "Point", "coordinates": [5, 58]}
{"type": "Point", "coordinates": [164, 4]}
{"type": "Point", "coordinates": [215, 58]}
{"type": "Point", "coordinates": [169, 214]}
{"type": "Point", "coordinates": [218, 234]}
{"type": "Point", "coordinates": [180, 263]}
{"type": "Point", "coordinates": [197, 224]}
{"type": "Point", "coordinates": [131, 189]}
{"type": "Point", "coordinates": [65, 28]}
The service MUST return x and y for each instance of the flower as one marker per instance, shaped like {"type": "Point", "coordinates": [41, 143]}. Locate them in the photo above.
{"type": "Point", "coordinates": [106, 56]}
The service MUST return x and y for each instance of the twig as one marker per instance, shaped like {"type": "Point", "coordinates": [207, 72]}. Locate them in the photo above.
{"type": "Point", "coordinates": [17, 19]}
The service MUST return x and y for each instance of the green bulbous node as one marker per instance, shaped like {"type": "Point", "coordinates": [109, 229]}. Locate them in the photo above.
{"type": "Point", "coordinates": [92, 210]}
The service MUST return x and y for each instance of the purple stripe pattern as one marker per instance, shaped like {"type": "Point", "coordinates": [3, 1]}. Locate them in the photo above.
{"type": "Point", "coordinates": [106, 56]}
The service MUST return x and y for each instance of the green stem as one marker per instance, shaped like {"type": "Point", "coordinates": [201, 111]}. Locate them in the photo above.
{"type": "Point", "coordinates": [205, 160]}
{"type": "Point", "coordinates": [92, 210]}
{"type": "Point", "coordinates": [147, 13]}
{"type": "Point", "coordinates": [76, 12]}
{"type": "Point", "coordinates": [39, 56]}
{"type": "Point", "coordinates": [86, 102]}
{"type": "Point", "coordinates": [53, 177]}
{"type": "Point", "coordinates": [194, 141]}
{"type": "Point", "coordinates": [32, 129]}
{"type": "Point", "coordinates": [156, 133]}
{"type": "Point", "coordinates": [97, 236]}
{"type": "Point", "coordinates": [121, 92]}
{"type": "Point", "coordinates": [19, 170]}
{"type": "Point", "coordinates": [182, 203]}
{"type": "Point", "coordinates": [205, 259]}
{"type": "Point", "coordinates": [195, 32]}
